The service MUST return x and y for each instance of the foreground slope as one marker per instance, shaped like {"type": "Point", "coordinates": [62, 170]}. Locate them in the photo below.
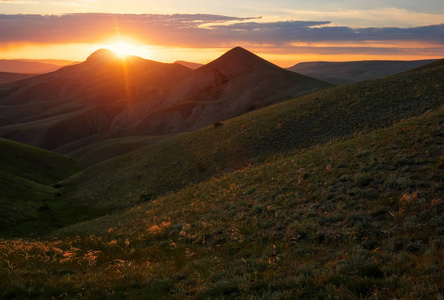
{"type": "Point", "coordinates": [359, 218]}
{"type": "Point", "coordinates": [353, 71]}
{"type": "Point", "coordinates": [311, 120]}
{"type": "Point", "coordinates": [27, 177]}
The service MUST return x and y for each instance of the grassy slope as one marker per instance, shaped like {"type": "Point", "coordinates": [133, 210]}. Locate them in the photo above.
{"type": "Point", "coordinates": [359, 218]}
{"type": "Point", "coordinates": [27, 176]}
{"type": "Point", "coordinates": [196, 156]}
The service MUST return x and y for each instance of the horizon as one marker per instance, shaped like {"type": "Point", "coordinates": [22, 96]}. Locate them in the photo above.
{"type": "Point", "coordinates": [283, 32]}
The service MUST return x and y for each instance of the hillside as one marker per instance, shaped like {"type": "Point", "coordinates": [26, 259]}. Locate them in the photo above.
{"type": "Point", "coordinates": [177, 161]}
{"type": "Point", "coordinates": [10, 77]}
{"type": "Point", "coordinates": [28, 176]}
{"type": "Point", "coordinates": [354, 71]}
{"type": "Point", "coordinates": [106, 98]}
{"type": "Point", "coordinates": [352, 219]}
{"type": "Point", "coordinates": [80, 101]}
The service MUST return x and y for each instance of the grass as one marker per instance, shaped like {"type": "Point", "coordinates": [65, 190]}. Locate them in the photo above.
{"type": "Point", "coordinates": [352, 219]}
{"type": "Point", "coordinates": [282, 203]}
{"type": "Point", "coordinates": [316, 119]}
{"type": "Point", "coordinates": [29, 179]}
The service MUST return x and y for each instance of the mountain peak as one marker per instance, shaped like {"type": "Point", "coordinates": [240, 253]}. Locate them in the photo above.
{"type": "Point", "coordinates": [238, 60]}
{"type": "Point", "coordinates": [240, 54]}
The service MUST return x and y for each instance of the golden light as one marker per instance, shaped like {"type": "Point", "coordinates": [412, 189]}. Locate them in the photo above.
{"type": "Point", "coordinates": [123, 49]}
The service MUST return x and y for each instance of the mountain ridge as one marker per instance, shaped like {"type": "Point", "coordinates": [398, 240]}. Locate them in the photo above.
{"type": "Point", "coordinates": [109, 97]}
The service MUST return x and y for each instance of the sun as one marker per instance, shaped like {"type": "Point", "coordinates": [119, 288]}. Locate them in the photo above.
{"type": "Point", "coordinates": [123, 49]}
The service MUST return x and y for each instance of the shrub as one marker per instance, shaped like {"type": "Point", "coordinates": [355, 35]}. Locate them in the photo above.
{"type": "Point", "coordinates": [362, 180]}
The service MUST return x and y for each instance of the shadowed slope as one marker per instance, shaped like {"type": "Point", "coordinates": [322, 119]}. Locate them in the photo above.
{"type": "Point", "coordinates": [27, 176]}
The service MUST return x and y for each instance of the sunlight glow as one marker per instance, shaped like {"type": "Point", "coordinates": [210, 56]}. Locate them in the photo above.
{"type": "Point", "coordinates": [123, 48]}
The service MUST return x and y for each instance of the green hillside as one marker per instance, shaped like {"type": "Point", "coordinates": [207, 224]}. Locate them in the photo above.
{"type": "Point", "coordinates": [27, 178]}
{"type": "Point", "coordinates": [352, 219]}
{"type": "Point", "coordinates": [304, 122]}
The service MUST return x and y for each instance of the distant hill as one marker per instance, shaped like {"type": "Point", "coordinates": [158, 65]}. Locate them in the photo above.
{"type": "Point", "coordinates": [27, 178]}
{"type": "Point", "coordinates": [107, 98]}
{"type": "Point", "coordinates": [10, 77]}
{"type": "Point", "coordinates": [188, 64]}
{"type": "Point", "coordinates": [354, 71]}
{"type": "Point", "coordinates": [31, 66]}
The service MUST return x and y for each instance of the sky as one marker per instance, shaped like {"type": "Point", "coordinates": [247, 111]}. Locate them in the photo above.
{"type": "Point", "coordinates": [283, 31]}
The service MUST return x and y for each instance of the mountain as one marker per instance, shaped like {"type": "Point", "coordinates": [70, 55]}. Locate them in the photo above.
{"type": "Point", "coordinates": [188, 64]}
{"type": "Point", "coordinates": [79, 101]}
{"type": "Point", "coordinates": [10, 77]}
{"type": "Point", "coordinates": [27, 178]}
{"type": "Point", "coordinates": [337, 194]}
{"type": "Point", "coordinates": [234, 84]}
{"type": "Point", "coordinates": [353, 71]}
{"type": "Point", "coordinates": [31, 66]}
{"type": "Point", "coordinates": [106, 98]}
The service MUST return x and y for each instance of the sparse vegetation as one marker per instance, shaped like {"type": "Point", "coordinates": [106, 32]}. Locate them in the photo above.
{"type": "Point", "coordinates": [266, 231]}
{"type": "Point", "coordinates": [283, 204]}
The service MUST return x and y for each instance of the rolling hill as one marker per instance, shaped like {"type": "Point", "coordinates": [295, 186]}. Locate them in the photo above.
{"type": "Point", "coordinates": [353, 71]}
{"type": "Point", "coordinates": [359, 218]}
{"type": "Point", "coordinates": [108, 98]}
{"type": "Point", "coordinates": [177, 161]}
{"type": "Point", "coordinates": [28, 176]}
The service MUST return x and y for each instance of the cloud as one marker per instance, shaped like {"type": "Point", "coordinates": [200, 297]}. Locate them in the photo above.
{"type": "Point", "coordinates": [204, 30]}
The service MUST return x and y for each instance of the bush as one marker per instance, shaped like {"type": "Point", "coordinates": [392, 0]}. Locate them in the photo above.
{"type": "Point", "coordinates": [362, 180]}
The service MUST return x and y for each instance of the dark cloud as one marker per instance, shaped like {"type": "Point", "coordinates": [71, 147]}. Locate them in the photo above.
{"type": "Point", "coordinates": [197, 30]}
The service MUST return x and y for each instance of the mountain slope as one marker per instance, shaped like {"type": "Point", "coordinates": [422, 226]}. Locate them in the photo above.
{"type": "Point", "coordinates": [79, 101]}
{"type": "Point", "coordinates": [348, 72]}
{"type": "Point", "coordinates": [235, 83]}
{"type": "Point", "coordinates": [307, 121]}
{"type": "Point", "coordinates": [354, 219]}
{"type": "Point", "coordinates": [109, 98]}
{"type": "Point", "coordinates": [27, 176]}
